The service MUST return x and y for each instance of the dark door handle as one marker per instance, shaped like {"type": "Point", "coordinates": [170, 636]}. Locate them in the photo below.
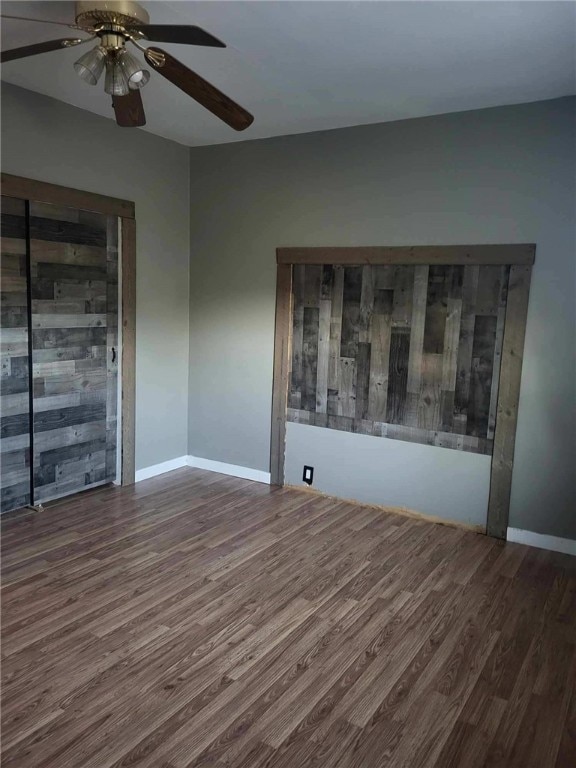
{"type": "Point", "coordinates": [113, 354]}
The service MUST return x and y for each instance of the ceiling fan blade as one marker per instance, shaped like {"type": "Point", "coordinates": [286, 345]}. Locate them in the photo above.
{"type": "Point", "coordinates": [129, 110]}
{"type": "Point", "coordinates": [40, 21]}
{"type": "Point", "coordinates": [33, 50]}
{"type": "Point", "coordinates": [178, 33]}
{"type": "Point", "coordinates": [199, 89]}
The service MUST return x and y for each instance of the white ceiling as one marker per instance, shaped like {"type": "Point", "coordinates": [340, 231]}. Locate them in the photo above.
{"type": "Point", "coordinates": [308, 66]}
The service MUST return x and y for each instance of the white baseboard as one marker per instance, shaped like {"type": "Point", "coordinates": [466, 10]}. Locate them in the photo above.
{"type": "Point", "coordinates": [159, 469]}
{"type": "Point", "coordinates": [541, 540]}
{"type": "Point", "coordinates": [246, 473]}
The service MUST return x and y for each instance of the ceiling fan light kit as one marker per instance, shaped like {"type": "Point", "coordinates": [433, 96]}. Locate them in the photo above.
{"type": "Point", "coordinates": [90, 66]}
{"type": "Point", "coordinates": [120, 22]}
{"type": "Point", "coordinates": [136, 76]}
{"type": "Point", "coordinates": [116, 82]}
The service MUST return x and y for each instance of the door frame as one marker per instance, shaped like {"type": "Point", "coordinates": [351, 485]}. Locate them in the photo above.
{"type": "Point", "coordinates": [520, 257]}
{"type": "Point", "coordinates": [43, 192]}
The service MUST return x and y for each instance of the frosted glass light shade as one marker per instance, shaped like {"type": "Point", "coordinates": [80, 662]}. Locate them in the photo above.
{"type": "Point", "coordinates": [116, 83]}
{"type": "Point", "coordinates": [90, 66]}
{"type": "Point", "coordinates": [136, 76]}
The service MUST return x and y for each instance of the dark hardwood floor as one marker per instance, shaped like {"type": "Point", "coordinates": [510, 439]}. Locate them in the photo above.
{"type": "Point", "coordinates": [201, 620]}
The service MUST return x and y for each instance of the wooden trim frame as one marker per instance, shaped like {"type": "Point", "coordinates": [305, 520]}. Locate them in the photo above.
{"type": "Point", "coordinates": [508, 397]}
{"type": "Point", "coordinates": [128, 378]}
{"type": "Point", "coordinates": [282, 352]}
{"type": "Point", "coordinates": [40, 191]}
{"type": "Point", "coordinates": [418, 254]}
{"type": "Point", "coordinates": [519, 257]}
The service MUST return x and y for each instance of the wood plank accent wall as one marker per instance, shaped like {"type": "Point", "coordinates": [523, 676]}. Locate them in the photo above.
{"type": "Point", "coordinates": [404, 337]}
{"type": "Point", "coordinates": [14, 376]}
{"type": "Point", "coordinates": [406, 352]}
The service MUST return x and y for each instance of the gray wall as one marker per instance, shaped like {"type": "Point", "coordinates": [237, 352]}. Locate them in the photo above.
{"type": "Point", "coordinates": [435, 481]}
{"type": "Point", "coordinates": [48, 140]}
{"type": "Point", "coordinates": [503, 175]}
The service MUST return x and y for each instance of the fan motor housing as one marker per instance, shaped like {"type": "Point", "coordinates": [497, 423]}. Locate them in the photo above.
{"type": "Point", "coordinates": [90, 13]}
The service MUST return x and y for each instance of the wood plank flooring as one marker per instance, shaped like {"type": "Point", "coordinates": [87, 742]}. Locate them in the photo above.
{"type": "Point", "coordinates": [201, 620]}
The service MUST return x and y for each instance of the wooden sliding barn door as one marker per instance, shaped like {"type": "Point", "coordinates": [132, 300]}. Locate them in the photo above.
{"type": "Point", "coordinates": [74, 332]}
{"type": "Point", "coordinates": [59, 341]}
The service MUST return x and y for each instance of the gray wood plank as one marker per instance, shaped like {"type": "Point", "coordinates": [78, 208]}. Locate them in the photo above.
{"type": "Point", "coordinates": [466, 340]}
{"type": "Point", "coordinates": [366, 304]}
{"type": "Point", "coordinates": [347, 388]}
{"type": "Point", "coordinates": [450, 346]}
{"type": "Point", "coordinates": [310, 357]}
{"type": "Point", "coordinates": [417, 322]}
{"type": "Point", "coordinates": [397, 375]}
{"type": "Point", "coordinates": [430, 396]}
{"type": "Point", "coordinates": [312, 285]}
{"type": "Point", "coordinates": [323, 356]}
{"type": "Point", "coordinates": [481, 375]}
{"type": "Point", "coordinates": [403, 296]}
{"type": "Point", "coordinates": [336, 328]}
{"type": "Point", "coordinates": [439, 279]}
{"type": "Point", "coordinates": [351, 312]}
{"type": "Point", "coordinates": [380, 334]}
{"type": "Point", "coordinates": [362, 381]}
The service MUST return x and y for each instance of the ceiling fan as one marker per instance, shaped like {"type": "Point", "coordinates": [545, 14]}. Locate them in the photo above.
{"type": "Point", "coordinates": [113, 25]}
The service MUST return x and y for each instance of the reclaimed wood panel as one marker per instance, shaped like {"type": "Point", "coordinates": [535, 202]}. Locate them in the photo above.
{"type": "Point", "coordinates": [413, 347]}
{"type": "Point", "coordinates": [74, 288]}
{"type": "Point", "coordinates": [14, 373]}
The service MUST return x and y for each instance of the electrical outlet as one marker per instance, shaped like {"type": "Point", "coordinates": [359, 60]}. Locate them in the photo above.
{"type": "Point", "coordinates": [308, 475]}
